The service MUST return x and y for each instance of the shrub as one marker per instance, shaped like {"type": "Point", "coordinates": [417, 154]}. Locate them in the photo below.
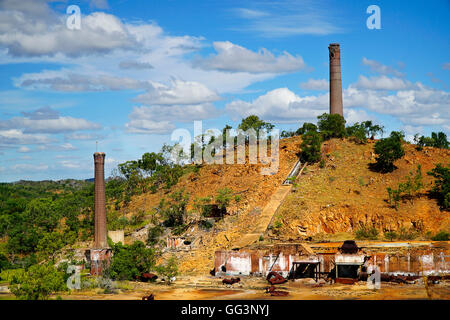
{"type": "Point", "coordinates": [441, 236]}
{"type": "Point", "coordinates": [169, 270]}
{"type": "Point", "coordinates": [287, 134]}
{"type": "Point", "coordinates": [137, 218]}
{"type": "Point", "coordinates": [307, 126]}
{"type": "Point", "coordinates": [203, 206]}
{"type": "Point", "coordinates": [366, 233]}
{"type": "Point", "coordinates": [331, 126]}
{"type": "Point", "coordinates": [322, 163]}
{"type": "Point", "coordinates": [224, 197]}
{"type": "Point", "coordinates": [174, 211]}
{"type": "Point", "coordinates": [407, 234]}
{"type": "Point", "coordinates": [4, 262]}
{"type": "Point", "coordinates": [410, 187]}
{"type": "Point", "coordinates": [37, 283]}
{"type": "Point", "coordinates": [310, 146]}
{"type": "Point", "coordinates": [394, 197]}
{"type": "Point", "coordinates": [361, 181]}
{"type": "Point", "coordinates": [437, 140]}
{"type": "Point", "coordinates": [388, 150]}
{"type": "Point", "coordinates": [130, 261]}
{"type": "Point", "coordinates": [8, 274]}
{"type": "Point", "coordinates": [205, 224]}
{"type": "Point", "coordinates": [154, 234]}
{"type": "Point", "coordinates": [357, 132]}
{"type": "Point", "coordinates": [441, 188]}
{"type": "Point", "coordinates": [390, 235]}
{"type": "Point", "coordinates": [276, 227]}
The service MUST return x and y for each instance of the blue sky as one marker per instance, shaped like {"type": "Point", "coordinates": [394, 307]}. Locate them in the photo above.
{"type": "Point", "coordinates": [137, 70]}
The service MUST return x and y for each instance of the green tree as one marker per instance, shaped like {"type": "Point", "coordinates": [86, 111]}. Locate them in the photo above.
{"type": "Point", "coordinates": [169, 270]}
{"type": "Point", "coordinates": [154, 234]}
{"type": "Point", "coordinates": [390, 235]}
{"type": "Point", "coordinates": [255, 123]}
{"type": "Point", "coordinates": [150, 161]}
{"type": "Point", "coordinates": [37, 283]}
{"type": "Point", "coordinates": [287, 134]}
{"type": "Point", "coordinates": [203, 205]}
{"type": "Point", "coordinates": [224, 197]}
{"type": "Point", "coordinates": [4, 262]}
{"type": "Point", "coordinates": [174, 210]}
{"type": "Point", "coordinates": [441, 187]}
{"type": "Point", "coordinates": [437, 140]}
{"type": "Point", "coordinates": [358, 132]}
{"type": "Point", "coordinates": [129, 168]}
{"type": "Point", "coordinates": [372, 129]}
{"type": "Point", "coordinates": [331, 126]}
{"type": "Point", "coordinates": [130, 261]}
{"type": "Point", "coordinates": [366, 232]}
{"type": "Point", "coordinates": [310, 146]}
{"type": "Point", "coordinates": [388, 150]}
{"type": "Point", "coordinates": [307, 126]}
{"type": "Point", "coordinates": [50, 244]}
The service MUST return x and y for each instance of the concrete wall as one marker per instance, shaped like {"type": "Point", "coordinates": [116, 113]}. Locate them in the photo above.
{"type": "Point", "coordinates": [257, 262]}
{"type": "Point", "coordinates": [117, 236]}
{"type": "Point", "coordinates": [260, 262]}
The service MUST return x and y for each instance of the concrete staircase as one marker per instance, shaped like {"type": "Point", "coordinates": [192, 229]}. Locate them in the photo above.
{"type": "Point", "coordinates": [267, 214]}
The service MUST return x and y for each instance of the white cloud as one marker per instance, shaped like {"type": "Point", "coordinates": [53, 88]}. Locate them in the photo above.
{"type": "Point", "coordinates": [280, 105]}
{"type": "Point", "coordinates": [47, 120]}
{"type": "Point", "coordinates": [68, 146]}
{"type": "Point", "coordinates": [23, 149]}
{"type": "Point", "coordinates": [419, 105]}
{"type": "Point", "coordinates": [117, 68]}
{"type": "Point", "coordinates": [53, 147]}
{"type": "Point", "coordinates": [160, 119]}
{"type": "Point", "coordinates": [26, 33]}
{"type": "Point", "coordinates": [315, 84]}
{"type": "Point", "coordinates": [135, 65]}
{"type": "Point", "coordinates": [179, 92]}
{"type": "Point", "coordinates": [26, 167]}
{"type": "Point", "coordinates": [233, 58]}
{"type": "Point", "coordinates": [250, 13]}
{"type": "Point", "coordinates": [83, 136]}
{"type": "Point", "coordinates": [288, 18]}
{"type": "Point", "coordinates": [42, 113]}
{"type": "Point", "coordinates": [380, 68]}
{"type": "Point", "coordinates": [147, 126]}
{"type": "Point", "coordinates": [62, 124]}
{"type": "Point", "coordinates": [356, 115]}
{"type": "Point", "coordinates": [382, 83]}
{"type": "Point", "coordinates": [67, 81]}
{"type": "Point", "coordinates": [15, 136]}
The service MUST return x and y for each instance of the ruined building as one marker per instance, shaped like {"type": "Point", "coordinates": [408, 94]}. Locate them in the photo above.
{"type": "Point", "coordinates": [336, 105]}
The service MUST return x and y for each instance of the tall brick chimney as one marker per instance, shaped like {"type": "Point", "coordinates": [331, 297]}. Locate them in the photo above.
{"type": "Point", "coordinates": [335, 80]}
{"type": "Point", "coordinates": [99, 201]}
